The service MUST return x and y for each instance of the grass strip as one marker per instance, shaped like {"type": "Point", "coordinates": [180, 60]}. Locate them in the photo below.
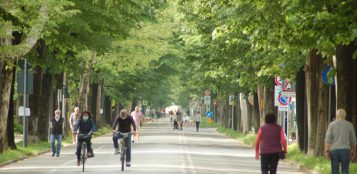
{"type": "Point", "coordinates": [294, 155]}
{"type": "Point", "coordinates": [38, 148]}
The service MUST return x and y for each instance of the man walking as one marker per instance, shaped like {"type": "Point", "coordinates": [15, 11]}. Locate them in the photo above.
{"type": "Point", "coordinates": [56, 133]}
{"type": "Point", "coordinates": [340, 143]}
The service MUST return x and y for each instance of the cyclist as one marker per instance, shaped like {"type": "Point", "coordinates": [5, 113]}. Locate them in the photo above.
{"type": "Point", "coordinates": [85, 126]}
{"type": "Point", "coordinates": [125, 122]}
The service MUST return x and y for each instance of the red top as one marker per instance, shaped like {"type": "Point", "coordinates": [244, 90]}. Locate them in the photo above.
{"type": "Point", "coordinates": [269, 140]}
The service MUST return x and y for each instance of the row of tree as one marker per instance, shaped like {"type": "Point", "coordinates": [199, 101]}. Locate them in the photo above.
{"type": "Point", "coordinates": [238, 46]}
{"type": "Point", "coordinates": [108, 54]}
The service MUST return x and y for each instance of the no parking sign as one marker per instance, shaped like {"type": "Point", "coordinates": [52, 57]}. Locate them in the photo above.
{"type": "Point", "coordinates": [284, 100]}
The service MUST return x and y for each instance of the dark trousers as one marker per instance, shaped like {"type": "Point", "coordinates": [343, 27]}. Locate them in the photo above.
{"type": "Point", "coordinates": [197, 125]}
{"type": "Point", "coordinates": [269, 163]}
{"type": "Point", "coordinates": [79, 147]}
{"type": "Point", "coordinates": [340, 157]}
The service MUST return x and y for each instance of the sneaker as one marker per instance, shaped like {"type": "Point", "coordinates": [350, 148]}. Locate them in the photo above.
{"type": "Point", "coordinates": [116, 151]}
{"type": "Point", "coordinates": [90, 154]}
{"type": "Point", "coordinates": [57, 155]}
{"type": "Point", "coordinates": [132, 141]}
{"type": "Point", "coordinates": [78, 162]}
{"type": "Point", "coordinates": [53, 154]}
{"type": "Point", "coordinates": [128, 164]}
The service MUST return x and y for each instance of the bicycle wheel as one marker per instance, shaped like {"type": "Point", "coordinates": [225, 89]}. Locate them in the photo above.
{"type": "Point", "coordinates": [84, 153]}
{"type": "Point", "coordinates": [122, 157]}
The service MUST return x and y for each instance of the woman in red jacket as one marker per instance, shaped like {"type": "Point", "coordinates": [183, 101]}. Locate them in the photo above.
{"type": "Point", "coordinates": [269, 144]}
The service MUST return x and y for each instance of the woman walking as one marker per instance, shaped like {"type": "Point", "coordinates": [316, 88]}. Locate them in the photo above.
{"type": "Point", "coordinates": [269, 144]}
{"type": "Point", "coordinates": [73, 120]}
{"type": "Point", "coordinates": [138, 116]}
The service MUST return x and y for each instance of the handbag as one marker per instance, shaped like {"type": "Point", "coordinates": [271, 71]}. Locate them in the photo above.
{"type": "Point", "coordinates": [281, 155]}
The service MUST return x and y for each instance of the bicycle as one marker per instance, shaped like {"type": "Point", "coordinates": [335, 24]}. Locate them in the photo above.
{"type": "Point", "coordinates": [83, 155]}
{"type": "Point", "coordinates": [123, 147]}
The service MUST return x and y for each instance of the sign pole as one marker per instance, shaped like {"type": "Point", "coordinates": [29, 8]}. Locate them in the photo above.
{"type": "Point", "coordinates": [25, 119]}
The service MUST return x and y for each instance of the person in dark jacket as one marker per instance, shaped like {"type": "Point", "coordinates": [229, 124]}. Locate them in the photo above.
{"type": "Point", "coordinates": [124, 122]}
{"type": "Point", "coordinates": [56, 133]}
{"type": "Point", "coordinates": [269, 144]}
{"type": "Point", "coordinates": [85, 125]}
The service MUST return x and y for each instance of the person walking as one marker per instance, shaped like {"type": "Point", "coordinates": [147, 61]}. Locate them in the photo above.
{"type": "Point", "coordinates": [138, 116]}
{"type": "Point", "coordinates": [73, 120]}
{"type": "Point", "coordinates": [269, 144]}
{"type": "Point", "coordinates": [56, 133]}
{"type": "Point", "coordinates": [125, 124]}
{"type": "Point", "coordinates": [340, 143]}
{"type": "Point", "coordinates": [197, 120]}
{"type": "Point", "coordinates": [179, 119]}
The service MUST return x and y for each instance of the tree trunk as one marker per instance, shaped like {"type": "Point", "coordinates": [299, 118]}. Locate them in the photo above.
{"type": "Point", "coordinates": [312, 75]}
{"type": "Point", "coordinates": [226, 111]}
{"type": "Point", "coordinates": [93, 108]}
{"type": "Point", "coordinates": [40, 99]}
{"type": "Point", "coordinates": [322, 115]}
{"type": "Point", "coordinates": [238, 115]}
{"type": "Point", "coordinates": [11, 115]}
{"type": "Point", "coordinates": [344, 78]}
{"type": "Point", "coordinates": [7, 75]}
{"type": "Point", "coordinates": [300, 105]}
{"type": "Point", "coordinates": [256, 112]}
{"type": "Point", "coordinates": [99, 118]}
{"type": "Point", "coordinates": [269, 99]}
{"type": "Point", "coordinates": [260, 91]}
{"type": "Point", "coordinates": [107, 110]}
{"type": "Point", "coordinates": [85, 84]}
{"type": "Point", "coordinates": [249, 114]}
{"type": "Point", "coordinates": [244, 114]}
{"type": "Point", "coordinates": [46, 108]}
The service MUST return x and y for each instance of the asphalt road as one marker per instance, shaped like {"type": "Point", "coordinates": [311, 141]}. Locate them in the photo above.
{"type": "Point", "coordinates": [161, 150]}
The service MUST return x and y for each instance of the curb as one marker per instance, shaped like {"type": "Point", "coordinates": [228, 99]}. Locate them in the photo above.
{"type": "Point", "coordinates": [40, 153]}
{"type": "Point", "coordinates": [24, 157]}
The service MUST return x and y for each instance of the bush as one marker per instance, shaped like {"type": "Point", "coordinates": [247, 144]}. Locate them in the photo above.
{"type": "Point", "coordinates": [17, 126]}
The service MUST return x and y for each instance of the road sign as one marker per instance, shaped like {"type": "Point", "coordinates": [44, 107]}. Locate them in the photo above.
{"type": "Point", "coordinates": [207, 100]}
{"type": "Point", "coordinates": [283, 108]}
{"type": "Point", "coordinates": [287, 87]}
{"type": "Point", "coordinates": [23, 111]}
{"type": "Point", "coordinates": [29, 82]}
{"type": "Point", "coordinates": [277, 91]}
{"type": "Point", "coordinates": [283, 100]}
{"type": "Point", "coordinates": [231, 100]}
{"type": "Point", "coordinates": [145, 102]}
{"type": "Point", "coordinates": [278, 81]}
{"type": "Point", "coordinates": [288, 94]}
{"type": "Point", "coordinates": [325, 76]}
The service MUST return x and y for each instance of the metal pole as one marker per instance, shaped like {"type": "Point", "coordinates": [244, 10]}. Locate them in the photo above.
{"type": "Point", "coordinates": [329, 103]}
{"type": "Point", "coordinates": [25, 119]}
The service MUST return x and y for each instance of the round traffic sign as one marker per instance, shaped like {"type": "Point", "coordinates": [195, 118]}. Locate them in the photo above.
{"type": "Point", "coordinates": [284, 100]}
{"type": "Point", "coordinates": [278, 81]}
{"type": "Point", "coordinates": [325, 77]}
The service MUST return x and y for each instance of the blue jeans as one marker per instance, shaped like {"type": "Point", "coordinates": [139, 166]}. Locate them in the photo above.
{"type": "Point", "coordinates": [342, 156]}
{"type": "Point", "coordinates": [116, 137]}
{"type": "Point", "coordinates": [53, 138]}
